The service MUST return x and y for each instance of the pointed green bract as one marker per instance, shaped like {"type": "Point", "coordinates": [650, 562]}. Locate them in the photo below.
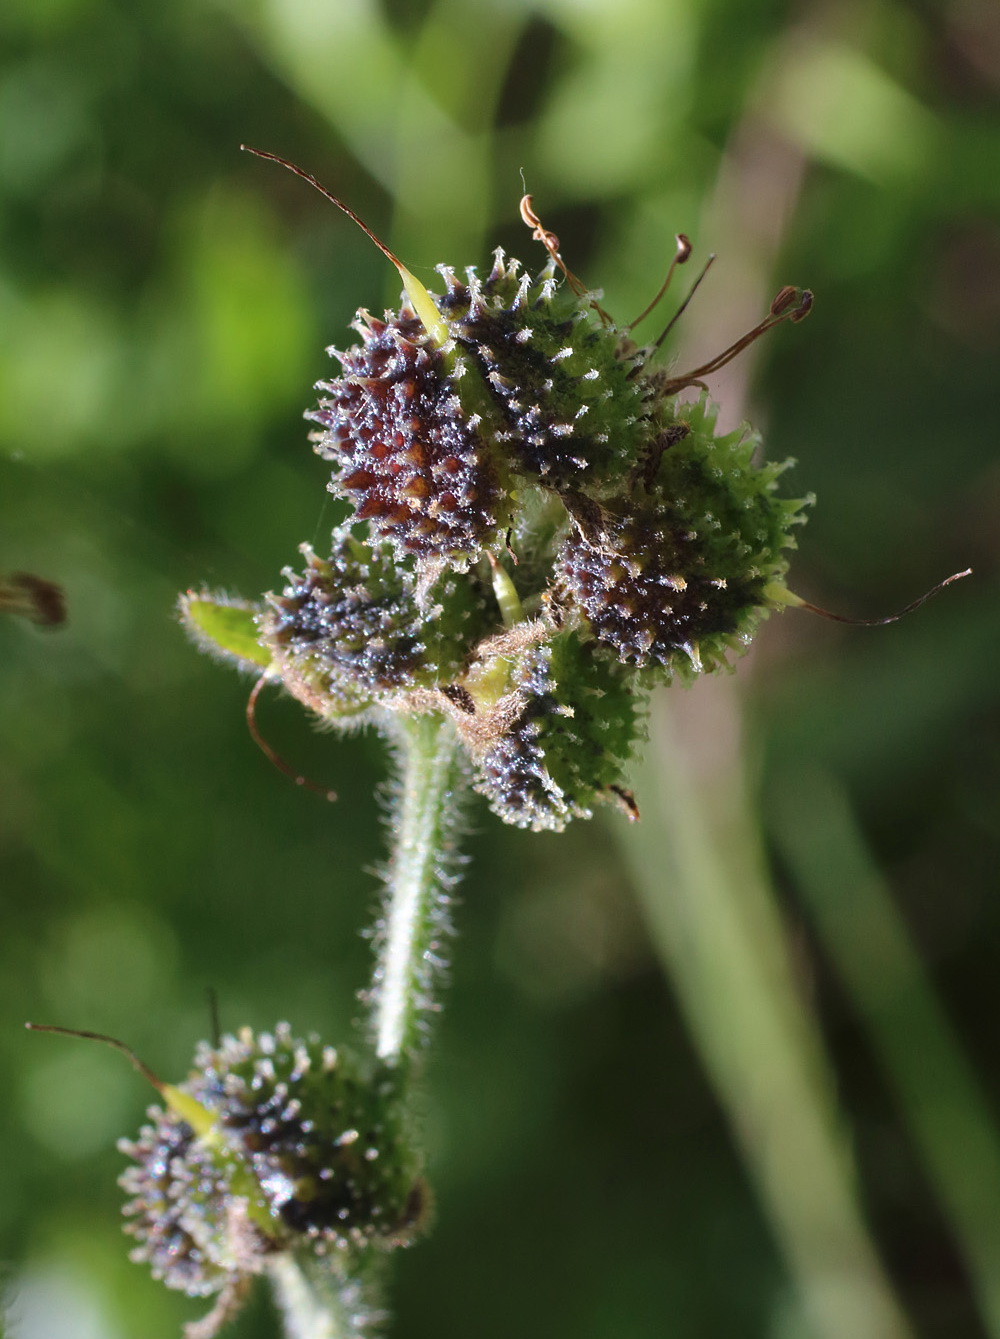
{"type": "Point", "coordinates": [226, 627]}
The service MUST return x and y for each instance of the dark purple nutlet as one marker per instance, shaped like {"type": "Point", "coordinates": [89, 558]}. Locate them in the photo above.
{"type": "Point", "coordinates": [646, 589]}
{"type": "Point", "coordinates": [405, 452]}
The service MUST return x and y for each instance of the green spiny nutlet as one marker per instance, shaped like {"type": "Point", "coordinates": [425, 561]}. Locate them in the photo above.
{"type": "Point", "coordinates": [272, 1144]}
{"type": "Point", "coordinates": [540, 531]}
{"type": "Point", "coordinates": [354, 630]}
{"type": "Point", "coordinates": [676, 572]}
{"type": "Point", "coordinates": [569, 723]}
{"type": "Point", "coordinates": [569, 403]}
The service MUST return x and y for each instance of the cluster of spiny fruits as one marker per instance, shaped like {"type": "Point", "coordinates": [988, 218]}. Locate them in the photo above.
{"type": "Point", "coordinates": [538, 533]}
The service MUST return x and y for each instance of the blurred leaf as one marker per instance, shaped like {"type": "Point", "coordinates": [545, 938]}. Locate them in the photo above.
{"type": "Point", "coordinates": [840, 106]}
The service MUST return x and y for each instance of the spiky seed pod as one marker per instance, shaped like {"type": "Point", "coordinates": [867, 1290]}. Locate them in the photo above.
{"type": "Point", "coordinates": [177, 1210]}
{"type": "Point", "coordinates": [677, 573]}
{"type": "Point", "coordinates": [318, 1135]}
{"type": "Point", "coordinates": [305, 1147]}
{"type": "Point", "coordinates": [572, 410]}
{"type": "Point", "coordinates": [406, 453]}
{"type": "Point", "coordinates": [564, 746]}
{"type": "Point", "coordinates": [645, 593]}
{"type": "Point", "coordinates": [356, 630]}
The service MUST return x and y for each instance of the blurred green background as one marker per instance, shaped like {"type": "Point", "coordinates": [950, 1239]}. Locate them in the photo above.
{"type": "Point", "coordinates": [164, 306]}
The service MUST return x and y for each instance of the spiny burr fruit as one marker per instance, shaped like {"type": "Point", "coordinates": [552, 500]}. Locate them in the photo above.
{"type": "Point", "coordinates": [430, 444]}
{"type": "Point", "coordinates": [355, 630]}
{"type": "Point", "coordinates": [277, 1146]}
{"type": "Point", "coordinates": [571, 407]}
{"type": "Point", "coordinates": [557, 740]}
{"type": "Point", "coordinates": [406, 450]}
{"type": "Point", "coordinates": [272, 1145]}
{"type": "Point", "coordinates": [677, 573]}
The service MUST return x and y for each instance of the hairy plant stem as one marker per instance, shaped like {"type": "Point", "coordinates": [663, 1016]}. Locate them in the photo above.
{"type": "Point", "coordinates": [339, 1301]}
{"type": "Point", "coordinates": [316, 1303]}
{"type": "Point", "coordinates": [309, 1309]}
{"type": "Point", "coordinates": [421, 872]}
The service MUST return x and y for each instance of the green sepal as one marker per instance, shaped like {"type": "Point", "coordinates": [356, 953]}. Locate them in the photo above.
{"type": "Point", "coordinates": [226, 627]}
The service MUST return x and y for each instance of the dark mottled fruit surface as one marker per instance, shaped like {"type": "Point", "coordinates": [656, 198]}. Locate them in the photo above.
{"type": "Point", "coordinates": [406, 453]}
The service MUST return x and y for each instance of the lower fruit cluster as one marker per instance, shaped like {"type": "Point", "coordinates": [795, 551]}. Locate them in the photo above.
{"type": "Point", "coordinates": [273, 1144]}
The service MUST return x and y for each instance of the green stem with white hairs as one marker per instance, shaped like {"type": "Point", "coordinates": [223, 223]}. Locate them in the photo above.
{"type": "Point", "coordinates": [309, 1310]}
{"type": "Point", "coordinates": [422, 869]}
{"type": "Point", "coordinates": [319, 1301]}
{"type": "Point", "coordinates": [316, 1302]}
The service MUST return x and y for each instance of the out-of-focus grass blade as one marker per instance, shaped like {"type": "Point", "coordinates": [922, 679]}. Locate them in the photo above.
{"type": "Point", "coordinates": [697, 864]}
{"type": "Point", "coordinates": [920, 1051]}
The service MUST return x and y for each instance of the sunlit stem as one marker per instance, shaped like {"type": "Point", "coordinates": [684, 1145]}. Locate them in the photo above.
{"type": "Point", "coordinates": [717, 926]}
{"type": "Point", "coordinates": [866, 937]}
{"type": "Point", "coordinates": [416, 923]}
{"type": "Point", "coordinates": [306, 1313]}
{"type": "Point", "coordinates": [316, 1302]}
